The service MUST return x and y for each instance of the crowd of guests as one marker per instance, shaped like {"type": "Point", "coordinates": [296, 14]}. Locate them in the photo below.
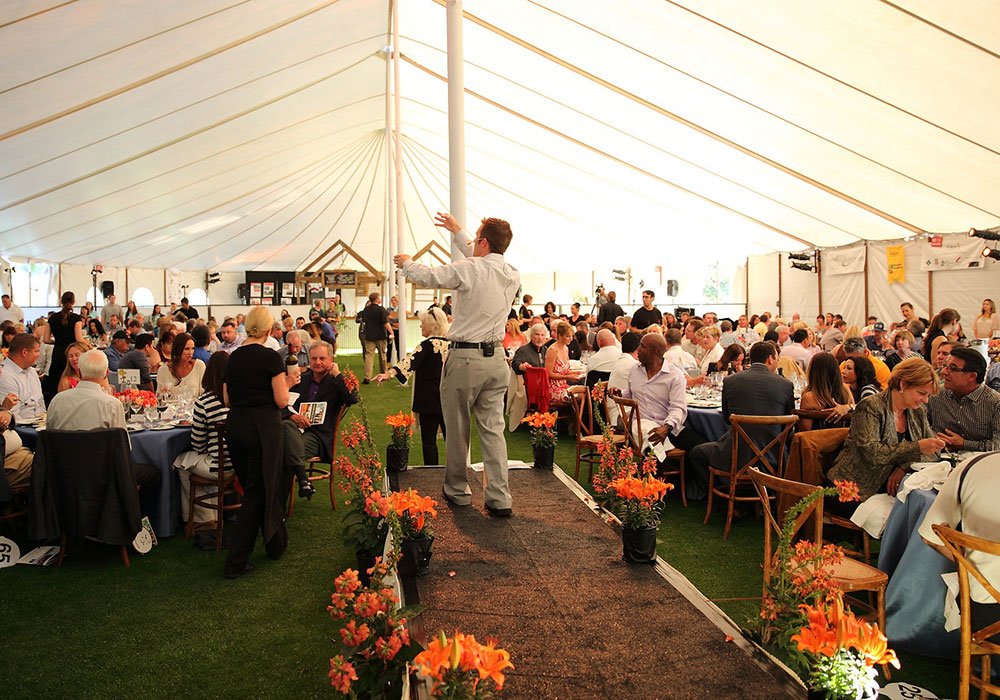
{"type": "Point", "coordinates": [63, 371]}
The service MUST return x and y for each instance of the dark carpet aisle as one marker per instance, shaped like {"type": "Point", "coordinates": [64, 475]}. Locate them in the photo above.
{"type": "Point", "coordinates": [550, 585]}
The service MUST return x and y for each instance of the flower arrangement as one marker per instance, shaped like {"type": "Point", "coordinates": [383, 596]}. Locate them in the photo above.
{"type": "Point", "coordinates": [841, 651]}
{"type": "Point", "coordinates": [458, 666]}
{"type": "Point", "coordinates": [543, 429]}
{"type": "Point", "coordinates": [638, 502]}
{"type": "Point", "coordinates": [375, 637]}
{"type": "Point", "coordinates": [410, 508]}
{"type": "Point", "coordinates": [136, 398]}
{"type": "Point", "coordinates": [402, 430]}
{"type": "Point", "coordinates": [361, 480]}
{"type": "Point", "coordinates": [351, 381]}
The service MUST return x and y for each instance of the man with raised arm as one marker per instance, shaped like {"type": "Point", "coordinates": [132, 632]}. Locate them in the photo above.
{"type": "Point", "coordinates": [475, 375]}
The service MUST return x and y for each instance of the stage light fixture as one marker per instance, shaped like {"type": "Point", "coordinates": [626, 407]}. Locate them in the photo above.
{"type": "Point", "coordinates": [800, 256]}
{"type": "Point", "coordinates": [803, 266]}
{"type": "Point", "coordinates": [991, 253]}
{"type": "Point", "coordinates": [988, 235]}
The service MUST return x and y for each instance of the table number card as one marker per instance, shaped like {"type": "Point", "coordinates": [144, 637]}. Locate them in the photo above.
{"type": "Point", "coordinates": [128, 377]}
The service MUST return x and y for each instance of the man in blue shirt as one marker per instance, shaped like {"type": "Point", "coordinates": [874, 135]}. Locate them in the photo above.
{"type": "Point", "coordinates": [116, 351]}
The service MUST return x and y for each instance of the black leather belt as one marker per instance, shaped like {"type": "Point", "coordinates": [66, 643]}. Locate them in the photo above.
{"type": "Point", "coordinates": [461, 345]}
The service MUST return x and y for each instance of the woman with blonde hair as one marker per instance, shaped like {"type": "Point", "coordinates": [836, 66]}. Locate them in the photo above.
{"type": "Point", "coordinates": [557, 363]}
{"type": "Point", "coordinates": [425, 364]}
{"type": "Point", "coordinates": [71, 375]}
{"type": "Point", "coordinates": [255, 388]}
{"type": "Point", "coordinates": [987, 322]}
{"type": "Point", "coordinates": [514, 336]}
{"type": "Point", "coordinates": [889, 431]}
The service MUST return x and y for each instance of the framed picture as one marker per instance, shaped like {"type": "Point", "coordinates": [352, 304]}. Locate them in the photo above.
{"type": "Point", "coordinates": [287, 289]}
{"type": "Point", "coordinates": [268, 290]}
{"type": "Point", "coordinates": [340, 278]}
{"type": "Point", "coordinates": [255, 289]}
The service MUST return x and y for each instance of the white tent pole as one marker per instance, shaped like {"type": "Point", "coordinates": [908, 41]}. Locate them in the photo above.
{"type": "Point", "coordinates": [389, 182]}
{"type": "Point", "coordinates": [398, 160]}
{"type": "Point", "coordinates": [456, 118]}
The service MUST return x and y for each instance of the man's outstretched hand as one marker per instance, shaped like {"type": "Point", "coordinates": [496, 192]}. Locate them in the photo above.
{"type": "Point", "coordinates": [400, 260]}
{"type": "Point", "coordinates": [446, 220]}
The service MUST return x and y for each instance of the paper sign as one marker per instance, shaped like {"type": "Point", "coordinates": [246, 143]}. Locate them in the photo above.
{"type": "Point", "coordinates": [128, 377]}
{"type": "Point", "coordinates": [268, 289]}
{"type": "Point", "coordinates": [146, 539]}
{"type": "Point", "coordinates": [896, 263]}
{"type": "Point", "coordinates": [10, 553]}
{"type": "Point", "coordinates": [315, 411]}
{"type": "Point", "coordinates": [906, 691]}
{"type": "Point", "coordinates": [40, 556]}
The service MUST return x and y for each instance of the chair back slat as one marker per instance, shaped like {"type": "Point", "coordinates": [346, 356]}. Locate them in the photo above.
{"type": "Point", "coordinates": [629, 410]}
{"type": "Point", "coordinates": [762, 481]}
{"type": "Point", "coordinates": [579, 398]}
{"type": "Point", "coordinates": [760, 455]}
{"type": "Point", "coordinates": [958, 542]}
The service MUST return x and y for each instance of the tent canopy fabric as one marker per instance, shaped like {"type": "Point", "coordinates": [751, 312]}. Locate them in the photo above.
{"type": "Point", "coordinates": [235, 135]}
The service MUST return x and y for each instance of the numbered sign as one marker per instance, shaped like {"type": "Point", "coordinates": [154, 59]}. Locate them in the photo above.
{"type": "Point", "coordinates": [9, 552]}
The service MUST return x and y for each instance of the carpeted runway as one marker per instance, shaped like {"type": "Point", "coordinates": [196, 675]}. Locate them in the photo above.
{"type": "Point", "coordinates": [550, 585]}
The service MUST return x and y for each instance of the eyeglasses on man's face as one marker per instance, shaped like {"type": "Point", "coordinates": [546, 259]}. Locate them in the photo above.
{"type": "Point", "coordinates": [955, 368]}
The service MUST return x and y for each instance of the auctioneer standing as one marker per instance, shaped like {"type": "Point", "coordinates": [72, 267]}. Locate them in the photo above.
{"type": "Point", "coordinates": [476, 374]}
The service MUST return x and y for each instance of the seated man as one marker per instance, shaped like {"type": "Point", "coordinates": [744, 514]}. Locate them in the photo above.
{"type": "Point", "coordinates": [532, 353]}
{"type": "Point", "coordinates": [144, 358]}
{"type": "Point", "coordinates": [16, 458]}
{"type": "Point", "coordinates": [323, 382]}
{"type": "Point", "coordinates": [116, 350]}
{"type": "Point", "coordinates": [658, 388]}
{"type": "Point", "coordinates": [293, 346]}
{"type": "Point", "coordinates": [758, 391]}
{"type": "Point", "coordinates": [800, 349]}
{"type": "Point", "coordinates": [607, 353]}
{"type": "Point", "coordinates": [966, 414]}
{"type": "Point", "coordinates": [677, 355]}
{"type": "Point", "coordinates": [229, 335]}
{"type": "Point", "coordinates": [88, 407]}
{"type": "Point", "coordinates": [20, 378]}
{"type": "Point", "coordinates": [619, 373]}
{"type": "Point", "coordinates": [855, 347]}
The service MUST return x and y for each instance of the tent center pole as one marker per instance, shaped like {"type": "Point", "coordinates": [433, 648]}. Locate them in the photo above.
{"type": "Point", "coordinates": [456, 119]}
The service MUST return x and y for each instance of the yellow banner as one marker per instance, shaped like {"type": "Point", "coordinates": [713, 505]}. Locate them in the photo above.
{"type": "Point", "coordinates": [897, 263]}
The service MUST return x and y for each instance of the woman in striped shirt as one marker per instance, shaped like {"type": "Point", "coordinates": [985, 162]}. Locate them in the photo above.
{"type": "Point", "coordinates": [209, 409]}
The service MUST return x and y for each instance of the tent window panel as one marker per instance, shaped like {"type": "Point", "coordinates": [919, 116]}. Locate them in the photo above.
{"type": "Point", "coordinates": [196, 297]}
{"type": "Point", "coordinates": [143, 297]}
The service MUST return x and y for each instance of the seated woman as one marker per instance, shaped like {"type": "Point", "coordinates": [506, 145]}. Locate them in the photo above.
{"type": "Point", "coordinates": [182, 373]}
{"type": "Point", "coordinates": [858, 373]}
{"type": "Point", "coordinates": [825, 391]}
{"type": "Point", "coordinates": [8, 335]}
{"type": "Point", "coordinates": [902, 344]}
{"type": "Point", "coordinates": [209, 409]}
{"type": "Point", "coordinates": [514, 337]}
{"type": "Point", "coordinates": [71, 375]}
{"type": "Point", "coordinates": [96, 334]}
{"type": "Point", "coordinates": [531, 354]}
{"type": "Point", "coordinates": [426, 363]}
{"type": "Point", "coordinates": [732, 359]}
{"type": "Point", "coordinates": [166, 343]}
{"type": "Point", "coordinates": [557, 363]}
{"type": "Point", "coordinates": [889, 431]}
{"type": "Point", "coordinates": [708, 339]}
{"type": "Point", "coordinates": [583, 342]}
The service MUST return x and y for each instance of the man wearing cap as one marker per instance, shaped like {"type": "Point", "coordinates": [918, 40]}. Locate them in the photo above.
{"type": "Point", "coordinates": [144, 358]}
{"type": "Point", "coordinates": [855, 347]}
{"type": "Point", "coordinates": [475, 375]}
{"type": "Point", "coordinates": [116, 351]}
{"type": "Point", "coordinates": [878, 340]}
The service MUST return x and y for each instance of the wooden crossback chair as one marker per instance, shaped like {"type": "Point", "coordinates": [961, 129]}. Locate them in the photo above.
{"type": "Point", "coordinates": [587, 437]}
{"type": "Point", "coordinates": [631, 419]}
{"type": "Point", "coordinates": [850, 575]}
{"type": "Point", "coordinates": [217, 489]}
{"type": "Point", "coordinates": [317, 473]}
{"type": "Point", "coordinates": [17, 507]}
{"type": "Point", "coordinates": [736, 472]}
{"type": "Point", "coordinates": [974, 642]}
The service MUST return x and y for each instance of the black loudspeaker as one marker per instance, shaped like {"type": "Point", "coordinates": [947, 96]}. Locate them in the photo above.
{"type": "Point", "coordinates": [107, 288]}
{"type": "Point", "coordinates": [243, 290]}
{"type": "Point", "coordinates": [672, 288]}
{"type": "Point", "coordinates": [689, 310]}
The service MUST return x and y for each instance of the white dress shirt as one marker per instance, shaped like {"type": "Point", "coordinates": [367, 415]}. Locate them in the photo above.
{"type": "Point", "coordinates": [660, 398]}
{"type": "Point", "coordinates": [800, 354]}
{"type": "Point", "coordinates": [13, 314]}
{"type": "Point", "coordinates": [680, 358]}
{"type": "Point", "coordinates": [483, 289]}
{"type": "Point", "coordinates": [85, 407]}
{"type": "Point", "coordinates": [272, 342]}
{"type": "Point", "coordinates": [605, 359]}
{"type": "Point", "coordinates": [24, 383]}
{"type": "Point", "coordinates": [619, 380]}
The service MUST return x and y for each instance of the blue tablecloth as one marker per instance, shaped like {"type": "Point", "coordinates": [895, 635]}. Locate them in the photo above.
{"type": "Point", "coordinates": [158, 448]}
{"type": "Point", "coordinates": [914, 600]}
{"type": "Point", "coordinates": [708, 422]}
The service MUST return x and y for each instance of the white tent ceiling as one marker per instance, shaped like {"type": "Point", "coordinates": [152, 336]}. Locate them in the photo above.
{"type": "Point", "coordinates": [229, 134]}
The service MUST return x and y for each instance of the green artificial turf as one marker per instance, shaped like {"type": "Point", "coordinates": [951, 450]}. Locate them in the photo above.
{"type": "Point", "coordinates": [171, 626]}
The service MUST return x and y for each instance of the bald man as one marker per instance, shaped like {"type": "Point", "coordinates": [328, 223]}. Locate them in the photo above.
{"type": "Point", "coordinates": [607, 354]}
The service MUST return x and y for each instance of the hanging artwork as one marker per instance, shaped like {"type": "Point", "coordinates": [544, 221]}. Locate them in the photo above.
{"type": "Point", "coordinates": [951, 253]}
{"type": "Point", "coordinates": [844, 261]}
{"type": "Point", "coordinates": [896, 260]}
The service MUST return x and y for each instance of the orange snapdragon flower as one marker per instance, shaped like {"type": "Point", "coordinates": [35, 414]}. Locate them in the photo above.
{"type": "Point", "coordinates": [541, 420]}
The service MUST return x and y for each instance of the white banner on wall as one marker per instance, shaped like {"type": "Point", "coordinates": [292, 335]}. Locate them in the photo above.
{"type": "Point", "coordinates": [951, 253]}
{"type": "Point", "coordinates": [846, 261]}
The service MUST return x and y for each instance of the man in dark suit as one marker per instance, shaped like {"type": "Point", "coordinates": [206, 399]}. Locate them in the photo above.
{"type": "Point", "coordinates": [610, 310]}
{"type": "Point", "coordinates": [323, 382]}
{"type": "Point", "coordinates": [758, 391]}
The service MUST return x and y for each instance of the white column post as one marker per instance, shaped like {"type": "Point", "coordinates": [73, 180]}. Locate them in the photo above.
{"type": "Point", "coordinates": [456, 119]}
{"type": "Point", "coordinates": [398, 161]}
{"type": "Point", "coordinates": [389, 182]}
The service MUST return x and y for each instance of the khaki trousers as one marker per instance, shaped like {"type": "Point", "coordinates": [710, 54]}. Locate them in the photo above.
{"type": "Point", "coordinates": [370, 348]}
{"type": "Point", "coordinates": [17, 467]}
{"type": "Point", "coordinates": [474, 384]}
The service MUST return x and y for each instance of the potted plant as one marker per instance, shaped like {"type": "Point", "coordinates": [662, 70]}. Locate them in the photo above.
{"type": "Point", "coordinates": [409, 516]}
{"type": "Point", "coordinates": [543, 438]}
{"type": "Point", "coordinates": [397, 452]}
{"type": "Point", "coordinates": [459, 666]}
{"type": "Point", "coordinates": [361, 480]}
{"type": "Point", "coordinates": [841, 651]}
{"type": "Point", "coordinates": [638, 503]}
{"type": "Point", "coordinates": [375, 642]}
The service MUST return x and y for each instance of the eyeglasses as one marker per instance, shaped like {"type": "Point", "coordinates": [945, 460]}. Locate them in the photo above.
{"type": "Point", "coordinates": [956, 368]}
